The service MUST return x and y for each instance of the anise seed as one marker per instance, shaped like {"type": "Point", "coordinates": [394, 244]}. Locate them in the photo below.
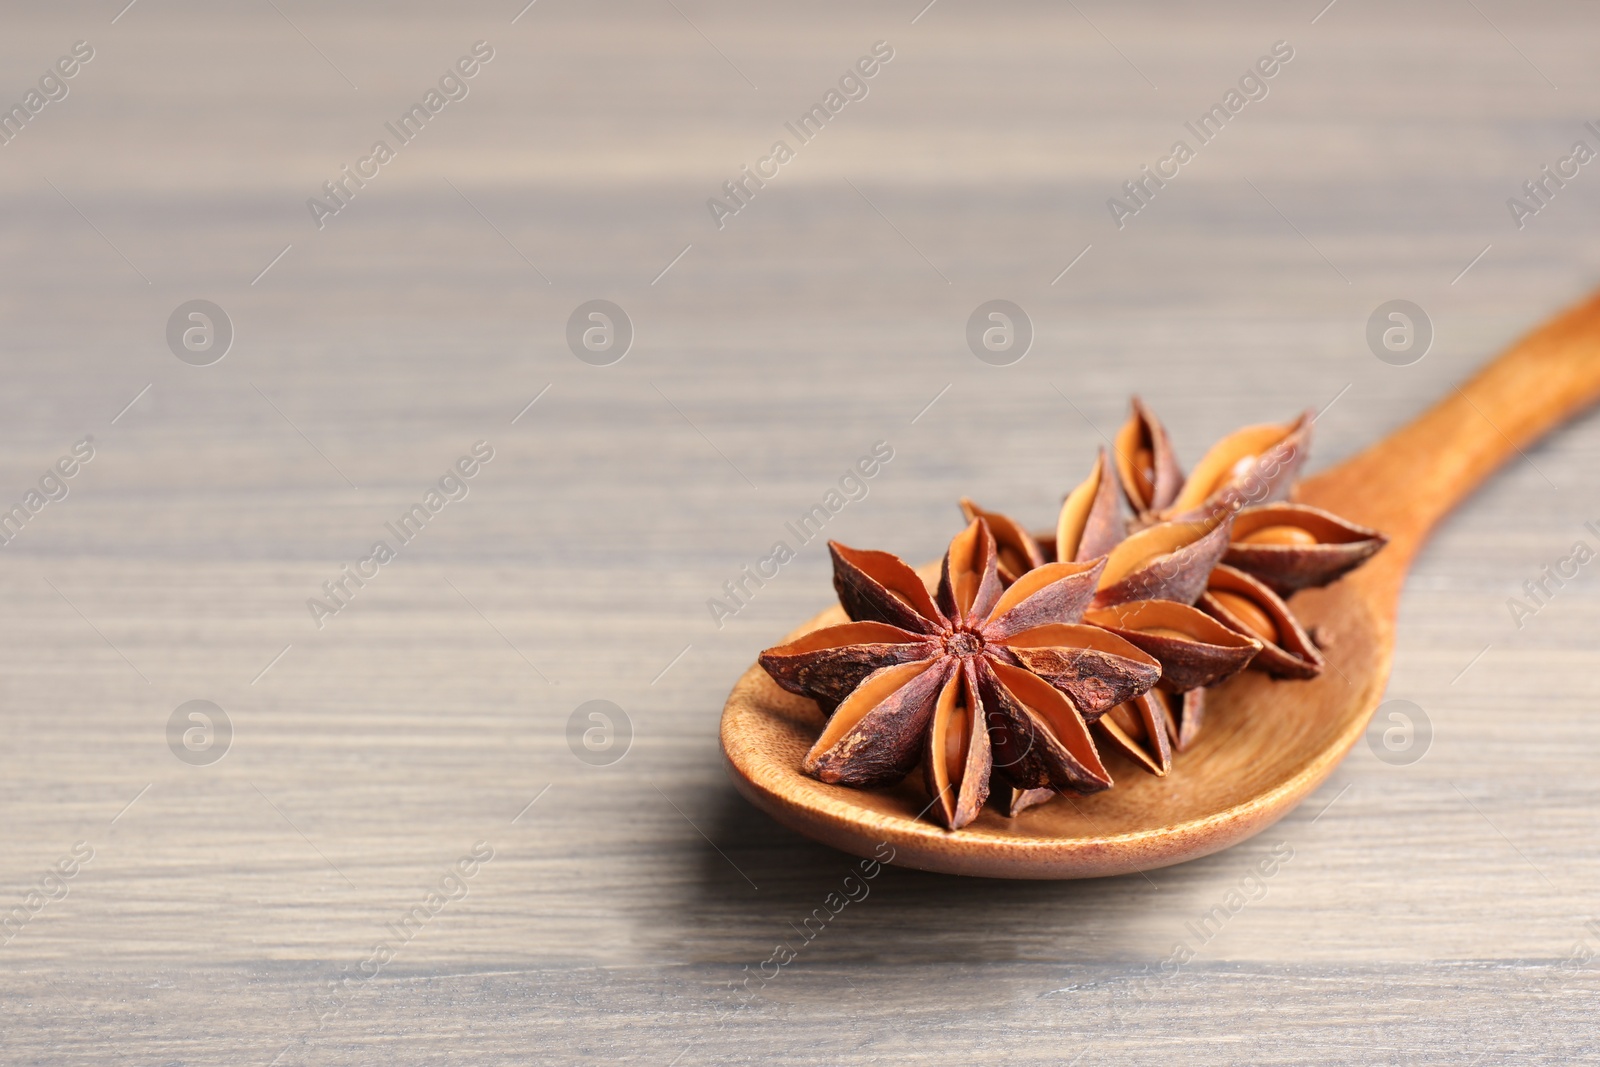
{"type": "Point", "coordinates": [1279, 535]}
{"type": "Point", "coordinates": [1248, 613]}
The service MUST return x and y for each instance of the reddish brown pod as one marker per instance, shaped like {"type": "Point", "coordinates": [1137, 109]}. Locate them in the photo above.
{"type": "Point", "coordinates": [1248, 607]}
{"type": "Point", "coordinates": [1290, 547]}
{"type": "Point", "coordinates": [1193, 648]}
{"type": "Point", "coordinates": [1167, 561]}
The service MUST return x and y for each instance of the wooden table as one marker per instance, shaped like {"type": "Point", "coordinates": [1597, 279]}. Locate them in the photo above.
{"type": "Point", "coordinates": [253, 910]}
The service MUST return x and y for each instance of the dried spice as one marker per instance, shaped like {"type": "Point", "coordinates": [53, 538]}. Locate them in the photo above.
{"type": "Point", "coordinates": [1017, 551]}
{"type": "Point", "coordinates": [1166, 561]}
{"type": "Point", "coordinates": [1247, 606]}
{"type": "Point", "coordinates": [1194, 649]}
{"type": "Point", "coordinates": [1286, 546]}
{"type": "Point", "coordinates": [1220, 539]}
{"type": "Point", "coordinates": [1142, 730]}
{"type": "Point", "coordinates": [1188, 710]}
{"type": "Point", "coordinates": [1255, 465]}
{"type": "Point", "coordinates": [1014, 801]}
{"type": "Point", "coordinates": [979, 678]}
{"type": "Point", "coordinates": [1089, 524]}
{"type": "Point", "coordinates": [1147, 464]}
{"type": "Point", "coordinates": [1290, 547]}
{"type": "Point", "coordinates": [1039, 652]}
{"type": "Point", "coordinates": [1151, 578]}
{"type": "Point", "coordinates": [1275, 548]}
{"type": "Point", "coordinates": [1147, 730]}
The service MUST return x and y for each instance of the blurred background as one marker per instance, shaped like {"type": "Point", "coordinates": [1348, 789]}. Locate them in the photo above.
{"type": "Point", "coordinates": [243, 878]}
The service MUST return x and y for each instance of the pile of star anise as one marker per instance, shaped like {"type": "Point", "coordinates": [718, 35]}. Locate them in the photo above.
{"type": "Point", "coordinates": [1036, 653]}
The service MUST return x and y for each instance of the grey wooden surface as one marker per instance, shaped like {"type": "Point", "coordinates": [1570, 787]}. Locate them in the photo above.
{"type": "Point", "coordinates": [1431, 913]}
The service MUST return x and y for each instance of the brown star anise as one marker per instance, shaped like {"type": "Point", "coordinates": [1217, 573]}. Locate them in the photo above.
{"type": "Point", "coordinates": [1038, 648]}
{"type": "Point", "coordinates": [1275, 548]}
{"type": "Point", "coordinates": [981, 681]}
{"type": "Point", "coordinates": [1144, 595]}
{"type": "Point", "coordinates": [1250, 466]}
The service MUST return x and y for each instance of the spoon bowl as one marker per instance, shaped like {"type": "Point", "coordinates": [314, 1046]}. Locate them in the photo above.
{"type": "Point", "coordinates": [1267, 743]}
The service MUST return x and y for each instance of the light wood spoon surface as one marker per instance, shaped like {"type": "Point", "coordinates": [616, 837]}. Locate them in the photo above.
{"type": "Point", "coordinates": [1266, 744]}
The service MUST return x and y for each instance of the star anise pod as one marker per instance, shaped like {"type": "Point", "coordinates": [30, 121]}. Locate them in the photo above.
{"type": "Point", "coordinates": [1147, 464]}
{"type": "Point", "coordinates": [1143, 596]}
{"type": "Point", "coordinates": [1275, 548]}
{"type": "Point", "coordinates": [980, 678]}
{"type": "Point", "coordinates": [1246, 606]}
{"type": "Point", "coordinates": [1165, 561]}
{"type": "Point", "coordinates": [1251, 466]}
{"type": "Point", "coordinates": [1194, 649]}
{"type": "Point", "coordinates": [1147, 729]}
{"type": "Point", "coordinates": [1290, 547]}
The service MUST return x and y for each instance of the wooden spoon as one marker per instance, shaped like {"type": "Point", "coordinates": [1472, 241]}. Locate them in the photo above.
{"type": "Point", "coordinates": [1266, 744]}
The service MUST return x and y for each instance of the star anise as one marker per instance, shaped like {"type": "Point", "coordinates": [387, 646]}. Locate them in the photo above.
{"type": "Point", "coordinates": [1194, 649]}
{"type": "Point", "coordinates": [1248, 607]}
{"type": "Point", "coordinates": [1275, 548]}
{"type": "Point", "coordinates": [980, 679]}
{"type": "Point", "coordinates": [1290, 547]}
{"type": "Point", "coordinates": [1147, 464]}
{"type": "Point", "coordinates": [1143, 596]}
{"type": "Point", "coordinates": [1164, 561]}
{"type": "Point", "coordinates": [1251, 466]}
{"type": "Point", "coordinates": [1036, 649]}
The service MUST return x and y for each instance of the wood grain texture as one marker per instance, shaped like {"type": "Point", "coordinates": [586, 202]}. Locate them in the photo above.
{"type": "Point", "coordinates": [1430, 912]}
{"type": "Point", "coordinates": [1413, 477]}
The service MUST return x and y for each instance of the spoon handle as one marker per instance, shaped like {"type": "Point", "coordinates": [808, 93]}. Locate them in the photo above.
{"type": "Point", "coordinates": [1407, 482]}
